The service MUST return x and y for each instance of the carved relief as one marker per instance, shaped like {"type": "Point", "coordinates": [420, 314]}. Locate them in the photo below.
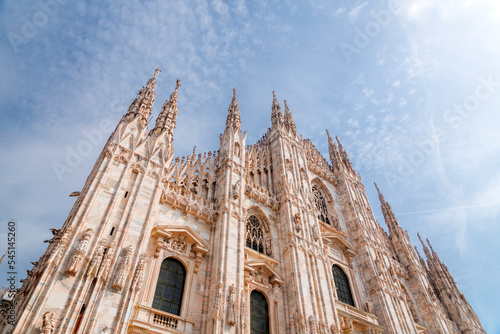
{"type": "Point", "coordinates": [313, 325]}
{"type": "Point", "coordinates": [48, 325]}
{"type": "Point", "coordinates": [95, 263]}
{"type": "Point", "coordinates": [78, 256]}
{"type": "Point", "coordinates": [218, 301]}
{"type": "Point", "coordinates": [346, 324]}
{"type": "Point", "coordinates": [231, 306]}
{"type": "Point", "coordinates": [323, 328]}
{"type": "Point", "coordinates": [104, 271]}
{"type": "Point", "coordinates": [123, 269]}
{"type": "Point", "coordinates": [315, 232]}
{"type": "Point", "coordinates": [297, 222]}
{"type": "Point", "coordinates": [139, 273]}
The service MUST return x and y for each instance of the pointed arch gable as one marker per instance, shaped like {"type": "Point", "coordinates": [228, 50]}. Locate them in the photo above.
{"type": "Point", "coordinates": [323, 188]}
{"type": "Point", "coordinates": [257, 211]}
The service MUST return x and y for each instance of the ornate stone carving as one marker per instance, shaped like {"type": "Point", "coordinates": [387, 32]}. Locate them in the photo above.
{"type": "Point", "coordinates": [300, 322]}
{"type": "Point", "coordinates": [269, 249]}
{"type": "Point", "coordinates": [76, 260]}
{"type": "Point", "coordinates": [236, 190]}
{"type": "Point", "coordinates": [315, 232]}
{"type": "Point", "coordinates": [297, 222]}
{"type": "Point", "coordinates": [104, 271]}
{"type": "Point", "coordinates": [323, 328]}
{"type": "Point", "coordinates": [95, 263]}
{"type": "Point", "coordinates": [139, 273]}
{"type": "Point", "coordinates": [48, 325]}
{"type": "Point", "coordinates": [231, 306]}
{"type": "Point", "coordinates": [218, 301]}
{"type": "Point", "coordinates": [60, 240]}
{"type": "Point", "coordinates": [123, 269]}
{"type": "Point", "coordinates": [346, 324]}
{"type": "Point", "coordinates": [244, 309]}
{"type": "Point", "coordinates": [313, 325]}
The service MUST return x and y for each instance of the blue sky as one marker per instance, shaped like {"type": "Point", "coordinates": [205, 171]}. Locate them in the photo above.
{"type": "Point", "coordinates": [411, 88]}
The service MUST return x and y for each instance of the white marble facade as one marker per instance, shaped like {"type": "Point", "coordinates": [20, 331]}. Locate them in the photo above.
{"type": "Point", "coordinates": [273, 220]}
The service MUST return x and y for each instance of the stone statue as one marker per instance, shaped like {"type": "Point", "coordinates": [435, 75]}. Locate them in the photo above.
{"type": "Point", "coordinates": [218, 300]}
{"type": "Point", "coordinates": [95, 263]}
{"type": "Point", "coordinates": [298, 224]}
{"type": "Point", "coordinates": [315, 232]}
{"type": "Point", "coordinates": [123, 269]}
{"type": "Point", "coordinates": [48, 325]}
{"type": "Point", "coordinates": [269, 249]}
{"type": "Point", "coordinates": [139, 273]}
{"type": "Point", "coordinates": [106, 262]}
{"type": "Point", "coordinates": [76, 260]}
{"type": "Point", "coordinates": [231, 306]}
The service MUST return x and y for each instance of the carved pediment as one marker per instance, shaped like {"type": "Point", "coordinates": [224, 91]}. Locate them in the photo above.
{"type": "Point", "coordinates": [262, 272]}
{"type": "Point", "coordinates": [339, 239]}
{"type": "Point", "coordinates": [180, 239]}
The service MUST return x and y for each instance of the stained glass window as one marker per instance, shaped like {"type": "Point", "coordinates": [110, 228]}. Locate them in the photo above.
{"type": "Point", "coordinates": [343, 288]}
{"type": "Point", "coordinates": [259, 314]}
{"type": "Point", "coordinates": [170, 286]}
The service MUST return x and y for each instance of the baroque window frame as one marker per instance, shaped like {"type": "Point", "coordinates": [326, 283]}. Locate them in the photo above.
{"type": "Point", "coordinates": [162, 242]}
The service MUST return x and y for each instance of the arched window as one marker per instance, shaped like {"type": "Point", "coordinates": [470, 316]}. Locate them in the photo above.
{"type": "Point", "coordinates": [320, 202]}
{"type": "Point", "coordinates": [170, 286]}
{"type": "Point", "coordinates": [259, 313]}
{"type": "Point", "coordinates": [343, 288]}
{"type": "Point", "coordinates": [254, 234]}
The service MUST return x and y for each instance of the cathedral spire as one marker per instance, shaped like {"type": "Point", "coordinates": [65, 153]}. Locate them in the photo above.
{"type": "Point", "coordinates": [233, 113]}
{"type": "Point", "coordinates": [289, 123]}
{"type": "Point", "coordinates": [335, 158]}
{"type": "Point", "coordinates": [168, 114]}
{"type": "Point", "coordinates": [389, 216]}
{"type": "Point", "coordinates": [343, 154]}
{"type": "Point", "coordinates": [276, 115]}
{"type": "Point", "coordinates": [428, 254]}
{"type": "Point", "coordinates": [143, 103]}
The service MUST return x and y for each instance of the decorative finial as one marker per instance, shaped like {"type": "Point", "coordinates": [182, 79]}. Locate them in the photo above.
{"type": "Point", "coordinates": [234, 92]}
{"type": "Point", "coordinates": [177, 84]}
{"type": "Point", "coordinates": [156, 72]}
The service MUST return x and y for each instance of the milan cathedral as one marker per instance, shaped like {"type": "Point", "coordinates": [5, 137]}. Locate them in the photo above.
{"type": "Point", "coordinates": [262, 238]}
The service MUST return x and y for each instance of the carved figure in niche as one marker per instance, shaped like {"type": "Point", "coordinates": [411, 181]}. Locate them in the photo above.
{"type": "Point", "coordinates": [269, 249]}
{"type": "Point", "coordinates": [95, 263]}
{"type": "Point", "coordinates": [106, 262]}
{"type": "Point", "coordinates": [237, 150]}
{"type": "Point", "coordinates": [277, 293]}
{"type": "Point", "coordinates": [139, 273]}
{"type": "Point", "coordinates": [369, 307]}
{"type": "Point", "coordinates": [231, 306]}
{"type": "Point", "coordinates": [218, 300]}
{"type": "Point", "coordinates": [315, 232]}
{"type": "Point", "coordinates": [298, 223]}
{"type": "Point", "coordinates": [76, 260]}
{"type": "Point", "coordinates": [323, 328]}
{"type": "Point", "coordinates": [301, 324]}
{"type": "Point", "coordinates": [236, 190]}
{"type": "Point", "coordinates": [48, 325]}
{"type": "Point", "coordinates": [123, 269]}
{"type": "Point", "coordinates": [313, 325]}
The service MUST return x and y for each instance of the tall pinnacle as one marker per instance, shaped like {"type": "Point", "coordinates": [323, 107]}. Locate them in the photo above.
{"type": "Point", "coordinates": [143, 103]}
{"type": "Point", "coordinates": [276, 115]}
{"type": "Point", "coordinates": [335, 157]}
{"type": "Point", "coordinates": [233, 113]}
{"type": "Point", "coordinates": [168, 114]}
{"type": "Point", "coordinates": [289, 123]}
{"type": "Point", "coordinates": [389, 216]}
